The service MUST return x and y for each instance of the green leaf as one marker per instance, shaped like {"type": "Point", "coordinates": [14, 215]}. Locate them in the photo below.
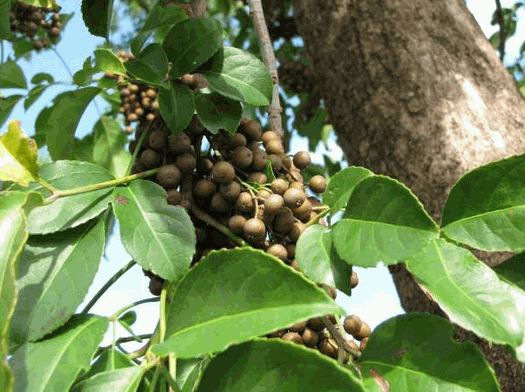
{"type": "Point", "coordinates": [13, 225]}
{"type": "Point", "coordinates": [70, 211]}
{"type": "Point", "coordinates": [40, 77]}
{"type": "Point", "coordinates": [275, 365]}
{"type": "Point", "coordinates": [59, 133]}
{"type": "Point", "coordinates": [318, 259]}
{"type": "Point", "coordinates": [241, 76]}
{"type": "Point", "coordinates": [486, 207]}
{"type": "Point", "coordinates": [342, 184]}
{"type": "Point", "coordinates": [105, 61]}
{"type": "Point", "coordinates": [189, 373]}
{"type": "Point", "coordinates": [33, 95]}
{"type": "Point", "coordinates": [12, 75]}
{"type": "Point", "coordinates": [217, 112]}
{"type": "Point", "coordinates": [7, 104]}
{"type": "Point", "coordinates": [231, 295]}
{"type": "Point", "coordinates": [513, 270]}
{"type": "Point", "coordinates": [190, 43]}
{"type": "Point", "coordinates": [110, 359]}
{"type": "Point", "coordinates": [53, 364]}
{"type": "Point", "coordinates": [121, 380]}
{"type": "Point", "coordinates": [97, 16]}
{"type": "Point", "coordinates": [5, 30]}
{"type": "Point", "coordinates": [160, 237]}
{"type": "Point", "coordinates": [176, 106]}
{"type": "Point", "coordinates": [416, 352]}
{"type": "Point", "coordinates": [468, 291]}
{"type": "Point", "coordinates": [18, 155]}
{"type": "Point", "coordinates": [383, 221]}
{"type": "Point", "coordinates": [108, 146]}
{"type": "Point", "coordinates": [128, 318]}
{"type": "Point", "coordinates": [54, 275]}
{"type": "Point", "coordinates": [150, 66]}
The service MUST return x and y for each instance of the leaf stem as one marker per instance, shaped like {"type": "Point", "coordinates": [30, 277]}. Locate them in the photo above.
{"type": "Point", "coordinates": [107, 285]}
{"type": "Point", "coordinates": [162, 317]}
{"type": "Point", "coordinates": [95, 187]}
{"type": "Point", "coordinates": [133, 304]}
{"type": "Point", "coordinates": [170, 379]}
{"type": "Point", "coordinates": [338, 337]}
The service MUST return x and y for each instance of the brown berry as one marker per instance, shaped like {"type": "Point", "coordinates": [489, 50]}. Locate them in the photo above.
{"type": "Point", "coordinates": [157, 140]}
{"type": "Point", "coordinates": [230, 191]}
{"type": "Point", "coordinates": [352, 324]}
{"type": "Point", "coordinates": [242, 157]}
{"type": "Point", "coordinates": [245, 204]}
{"type": "Point", "coordinates": [174, 197]}
{"type": "Point", "coordinates": [204, 189]}
{"type": "Point", "coordinates": [294, 197]}
{"type": "Point", "coordinates": [275, 147]}
{"type": "Point", "coordinates": [310, 337]}
{"type": "Point", "coordinates": [236, 224]}
{"type": "Point", "coordinates": [279, 186]}
{"type": "Point", "coordinates": [169, 176]}
{"type": "Point", "coordinates": [318, 184]}
{"type": "Point", "coordinates": [254, 230]}
{"type": "Point", "coordinates": [223, 172]}
{"type": "Point", "coordinates": [179, 144]}
{"type": "Point", "coordinates": [150, 159]}
{"type": "Point", "coordinates": [302, 160]}
{"type": "Point", "coordinates": [268, 136]}
{"type": "Point", "coordinates": [273, 204]}
{"type": "Point", "coordinates": [328, 347]}
{"type": "Point", "coordinates": [354, 280]}
{"type": "Point", "coordinates": [278, 251]}
{"type": "Point", "coordinates": [363, 332]}
{"type": "Point", "coordinates": [293, 337]}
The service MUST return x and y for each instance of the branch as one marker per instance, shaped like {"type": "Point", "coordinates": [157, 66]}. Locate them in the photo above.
{"type": "Point", "coordinates": [499, 18]}
{"type": "Point", "coordinates": [339, 339]}
{"type": "Point", "coordinates": [269, 60]}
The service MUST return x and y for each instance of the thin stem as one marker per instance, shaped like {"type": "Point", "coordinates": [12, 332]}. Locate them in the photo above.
{"type": "Point", "coordinates": [137, 149]}
{"type": "Point", "coordinates": [201, 215]}
{"type": "Point", "coordinates": [162, 317]}
{"type": "Point", "coordinates": [108, 284]}
{"type": "Point", "coordinates": [170, 379]}
{"type": "Point", "coordinates": [155, 378]}
{"type": "Point", "coordinates": [47, 185]}
{"type": "Point", "coordinates": [102, 185]}
{"type": "Point", "coordinates": [125, 339]}
{"type": "Point", "coordinates": [270, 62]}
{"type": "Point", "coordinates": [339, 339]}
{"type": "Point", "coordinates": [132, 305]}
{"type": "Point", "coordinates": [172, 365]}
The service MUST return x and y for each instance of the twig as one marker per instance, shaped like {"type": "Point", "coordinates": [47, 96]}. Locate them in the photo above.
{"type": "Point", "coordinates": [502, 37]}
{"type": "Point", "coordinates": [269, 60]}
{"type": "Point", "coordinates": [108, 284]}
{"type": "Point", "coordinates": [339, 339]}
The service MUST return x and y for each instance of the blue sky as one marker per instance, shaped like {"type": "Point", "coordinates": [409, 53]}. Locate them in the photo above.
{"type": "Point", "coordinates": [374, 300]}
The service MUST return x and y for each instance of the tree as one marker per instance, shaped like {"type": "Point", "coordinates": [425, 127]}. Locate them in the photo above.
{"type": "Point", "coordinates": [236, 253]}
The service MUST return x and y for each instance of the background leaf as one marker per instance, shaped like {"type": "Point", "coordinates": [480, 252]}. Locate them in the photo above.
{"type": "Point", "coordinates": [12, 75]}
{"type": "Point", "coordinates": [416, 352]}
{"type": "Point", "coordinates": [53, 276]}
{"type": "Point", "coordinates": [275, 365]}
{"type": "Point", "coordinates": [190, 43]}
{"type": "Point", "coordinates": [52, 364]}
{"type": "Point", "coordinates": [468, 291]}
{"type": "Point", "coordinates": [18, 155]}
{"type": "Point", "coordinates": [217, 112]}
{"type": "Point", "coordinates": [7, 104]}
{"type": "Point", "coordinates": [97, 16]}
{"type": "Point", "coordinates": [70, 211]}
{"type": "Point", "coordinates": [160, 237]}
{"type": "Point", "coordinates": [486, 207]}
{"type": "Point", "coordinates": [241, 76]}
{"type": "Point", "coordinates": [232, 296]}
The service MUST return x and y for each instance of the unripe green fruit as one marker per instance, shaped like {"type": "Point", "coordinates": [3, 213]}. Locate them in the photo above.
{"type": "Point", "coordinates": [223, 172]}
{"type": "Point", "coordinates": [169, 176]}
{"type": "Point", "coordinates": [318, 184]}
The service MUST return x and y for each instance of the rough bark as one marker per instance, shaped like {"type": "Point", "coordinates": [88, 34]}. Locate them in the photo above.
{"type": "Point", "coordinates": [415, 91]}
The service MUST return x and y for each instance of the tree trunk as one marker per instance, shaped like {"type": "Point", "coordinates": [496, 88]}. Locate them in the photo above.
{"type": "Point", "coordinates": [416, 92]}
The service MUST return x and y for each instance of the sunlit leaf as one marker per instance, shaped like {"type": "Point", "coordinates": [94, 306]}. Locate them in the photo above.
{"type": "Point", "coordinates": [12, 75]}
{"type": "Point", "coordinates": [341, 185]}
{"type": "Point", "coordinates": [121, 380]}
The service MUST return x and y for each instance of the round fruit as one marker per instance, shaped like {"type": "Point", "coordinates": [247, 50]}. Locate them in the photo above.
{"type": "Point", "coordinates": [236, 224]}
{"type": "Point", "coordinates": [169, 176]}
{"type": "Point", "coordinates": [302, 159]}
{"type": "Point", "coordinates": [274, 203]}
{"type": "Point", "coordinates": [237, 140]}
{"type": "Point", "coordinates": [223, 172]}
{"type": "Point", "coordinates": [310, 337]}
{"type": "Point", "coordinates": [259, 160]}
{"type": "Point", "coordinates": [283, 222]}
{"type": "Point", "coordinates": [279, 186]}
{"type": "Point", "coordinates": [316, 324]}
{"type": "Point", "coordinates": [294, 197]}
{"type": "Point", "coordinates": [303, 211]}
{"type": "Point", "coordinates": [230, 191]}
{"type": "Point", "coordinates": [54, 32]}
{"type": "Point", "coordinates": [219, 203]}
{"type": "Point", "coordinates": [293, 337]}
{"type": "Point", "coordinates": [298, 228]}
{"type": "Point", "coordinates": [157, 140]}
{"type": "Point", "coordinates": [186, 162]}
{"type": "Point", "coordinates": [245, 204]}
{"type": "Point", "coordinates": [328, 347]}
{"type": "Point", "coordinates": [150, 159]}
{"type": "Point", "coordinates": [242, 157]}
{"type": "Point", "coordinates": [204, 166]}
{"type": "Point", "coordinates": [275, 147]}
{"type": "Point", "coordinates": [155, 285]}
{"type": "Point", "coordinates": [252, 130]}
{"type": "Point", "coordinates": [290, 250]}
{"type": "Point", "coordinates": [352, 324]}
{"type": "Point", "coordinates": [295, 265]}
{"type": "Point", "coordinates": [254, 230]}
{"type": "Point", "coordinates": [204, 189]}
{"type": "Point", "coordinates": [318, 184]}
{"type": "Point", "coordinates": [354, 280]}
{"type": "Point", "coordinates": [276, 334]}
{"type": "Point", "coordinates": [298, 327]}
{"type": "Point", "coordinates": [363, 344]}
{"type": "Point", "coordinates": [257, 177]}
{"type": "Point", "coordinates": [363, 332]}
{"type": "Point", "coordinates": [331, 291]}
{"type": "Point", "coordinates": [268, 136]}
{"type": "Point", "coordinates": [174, 197]}
{"type": "Point", "coordinates": [179, 144]}
{"type": "Point", "coordinates": [353, 345]}
{"type": "Point", "coordinates": [278, 251]}
{"type": "Point", "coordinates": [276, 162]}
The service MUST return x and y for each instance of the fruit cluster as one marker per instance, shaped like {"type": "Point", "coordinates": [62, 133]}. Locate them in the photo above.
{"type": "Point", "coordinates": [28, 19]}
{"type": "Point", "coordinates": [138, 101]}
